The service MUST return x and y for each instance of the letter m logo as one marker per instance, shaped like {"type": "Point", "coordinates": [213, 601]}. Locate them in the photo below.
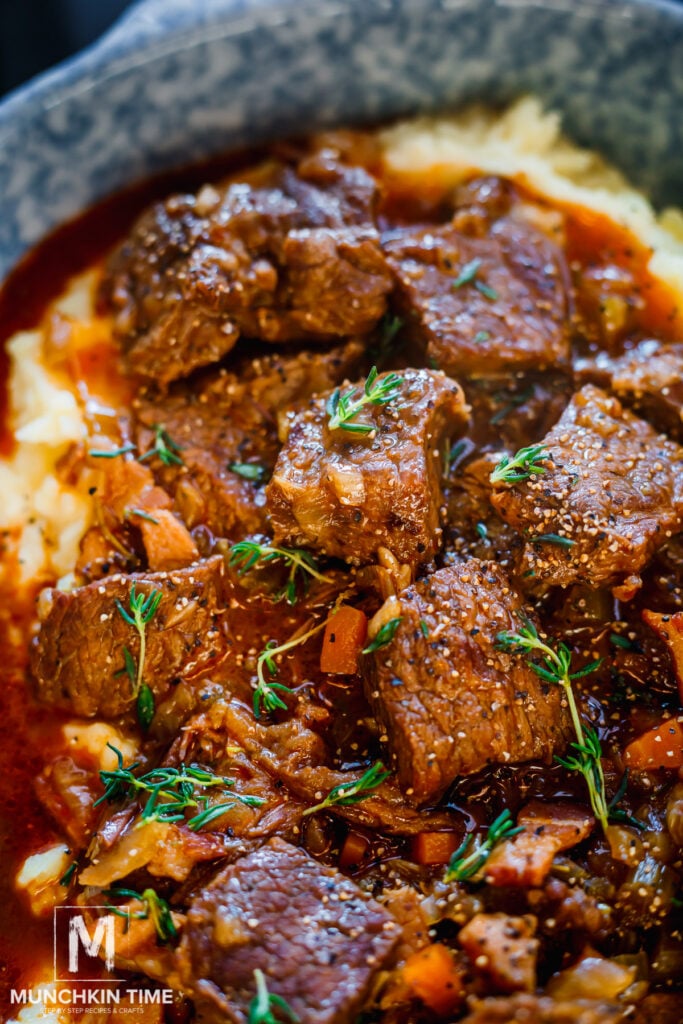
{"type": "Point", "coordinates": [83, 944]}
{"type": "Point", "coordinates": [79, 936]}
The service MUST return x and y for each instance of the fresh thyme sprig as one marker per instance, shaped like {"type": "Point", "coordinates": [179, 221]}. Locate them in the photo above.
{"type": "Point", "coordinates": [384, 636]}
{"type": "Point", "coordinates": [461, 867]}
{"type": "Point", "coordinates": [248, 471]}
{"type": "Point", "coordinates": [141, 610]}
{"type": "Point", "coordinates": [342, 409]}
{"type": "Point", "coordinates": [555, 667]}
{"type": "Point", "coordinates": [266, 693]}
{"type": "Point", "coordinates": [153, 906]}
{"type": "Point", "coordinates": [469, 275]}
{"type": "Point", "coordinates": [170, 792]}
{"type": "Point", "coordinates": [164, 448]}
{"type": "Point", "coordinates": [349, 793]}
{"type": "Point", "coordinates": [246, 554]}
{"type": "Point", "coordinates": [527, 462]}
{"type": "Point", "coordinates": [105, 453]}
{"type": "Point", "coordinates": [264, 1004]}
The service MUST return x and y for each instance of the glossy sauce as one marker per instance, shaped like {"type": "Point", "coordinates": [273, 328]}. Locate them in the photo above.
{"type": "Point", "coordinates": [29, 733]}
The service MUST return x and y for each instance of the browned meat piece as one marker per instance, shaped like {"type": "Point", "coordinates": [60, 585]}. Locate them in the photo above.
{"type": "Point", "coordinates": [660, 1008]}
{"type": "Point", "coordinates": [230, 418]}
{"type": "Point", "coordinates": [349, 494]}
{"type": "Point", "coordinates": [68, 794]}
{"type": "Point", "coordinates": [294, 257]}
{"type": "Point", "coordinates": [523, 1008]}
{"type": "Point", "coordinates": [77, 659]}
{"type": "Point", "coordinates": [317, 938]}
{"type": "Point", "coordinates": [503, 949]}
{"type": "Point", "coordinates": [648, 378]}
{"type": "Point", "coordinates": [449, 701]}
{"type": "Point", "coordinates": [296, 760]}
{"type": "Point", "coordinates": [485, 293]}
{"type": "Point", "coordinates": [610, 496]}
{"type": "Point", "coordinates": [473, 529]}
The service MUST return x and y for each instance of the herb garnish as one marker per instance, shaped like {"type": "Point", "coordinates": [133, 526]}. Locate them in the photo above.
{"type": "Point", "coordinates": [248, 470]}
{"type": "Point", "coordinates": [266, 693]}
{"type": "Point", "coordinates": [468, 275]}
{"type": "Point", "coordinates": [247, 553]}
{"type": "Point", "coordinates": [264, 1002]}
{"type": "Point", "coordinates": [143, 608]}
{"type": "Point", "coordinates": [170, 791]}
{"type": "Point", "coordinates": [68, 874]}
{"type": "Point", "coordinates": [384, 636]}
{"type": "Point", "coordinates": [461, 867]}
{"type": "Point", "coordinates": [556, 668]}
{"type": "Point", "coordinates": [141, 514]}
{"type": "Point", "coordinates": [349, 793]}
{"type": "Point", "coordinates": [153, 906]}
{"type": "Point", "coordinates": [522, 466]}
{"type": "Point", "coordinates": [164, 448]}
{"type": "Point", "coordinates": [552, 538]}
{"type": "Point", "coordinates": [103, 453]}
{"type": "Point", "coordinates": [342, 409]}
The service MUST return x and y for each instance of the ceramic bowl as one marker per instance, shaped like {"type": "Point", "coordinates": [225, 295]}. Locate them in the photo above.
{"type": "Point", "coordinates": [177, 80]}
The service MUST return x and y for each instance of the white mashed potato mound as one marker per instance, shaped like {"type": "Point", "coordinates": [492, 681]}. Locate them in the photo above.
{"type": "Point", "coordinates": [526, 143]}
{"type": "Point", "coordinates": [45, 517]}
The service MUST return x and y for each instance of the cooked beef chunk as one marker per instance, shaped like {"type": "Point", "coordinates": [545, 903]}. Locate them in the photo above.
{"type": "Point", "coordinates": [504, 950]}
{"type": "Point", "coordinates": [317, 938]}
{"type": "Point", "coordinates": [449, 701]}
{"type": "Point", "coordinates": [77, 659]}
{"type": "Point", "coordinates": [473, 529]}
{"type": "Point", "coordinates": [486, 293]}
{"type": "Point", "coordinates": [648, 378]}
{"type": "Point", "coordinates": [294, 256]}
{"type": "Point", "coordinates": [225, 419]}
{"type": "Point", "coordinates": [296, 759]}
{"type": "Point", "coordinates": [610, 496]}
{"type": "Point", "coordinates": [524, 1008]}
{"type": "Point", "coordinates": [68, 793]}
{"type": "Point", "coordinates": [349, 494]}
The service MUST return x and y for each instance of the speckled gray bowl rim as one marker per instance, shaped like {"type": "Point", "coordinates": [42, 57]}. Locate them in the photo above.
{"type": "Point", "coordinates": [614, 69]}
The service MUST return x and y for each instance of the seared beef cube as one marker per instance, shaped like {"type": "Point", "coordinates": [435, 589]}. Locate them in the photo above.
{"type": "Point", "coordinates": [611, 494]}
{"type": "Point", "coordinates": [348, 494]}
{"type": "Point", "coordinates": [294, 257]}
{"type": "Point", "coordinates": [450, 702]}
{"type": "Point", "coordinates": [524, 1008]}
{"type": "Point", "coordinates": [226, 426]}
{"type": "Point", "coordinates": [317, 938]}
{"type": "Point", "coordinates": [482, 302]}
{"type": "Point", "coordinates": [78, 658]}
{"type": "Point", "coordinates": [648, 378]}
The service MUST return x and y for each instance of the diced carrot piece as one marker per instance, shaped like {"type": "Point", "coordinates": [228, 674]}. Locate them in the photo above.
{"type": "Point", "coordinates": [670, 629]}
{"type": "Point", "coordinates": [354, 849]}
{"type": "Point", "coordinates": [434, 847]}
{"type": "Point", "coordinates": [344, 639]}
{"type": "Point", "coordinates": [433, 975]}
{"type": "Point", "coordinates": [661, 747]}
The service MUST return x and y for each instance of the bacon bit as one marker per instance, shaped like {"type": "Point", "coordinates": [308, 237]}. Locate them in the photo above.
{"type": "Point", "coordinates": [660, 747]}
{"type": "Point", "coordinates": [503, 949]}
{"type": "Point", "coordinates": [670, 629]}
{"type": "Point", "coordinates": [525, 861]}
{"type": "Point", "coordinates": [430, 848]}
{"type": "Point", "coordinates": [434, 977]}
{"type": "Point", "coordinates": [344, 639]}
